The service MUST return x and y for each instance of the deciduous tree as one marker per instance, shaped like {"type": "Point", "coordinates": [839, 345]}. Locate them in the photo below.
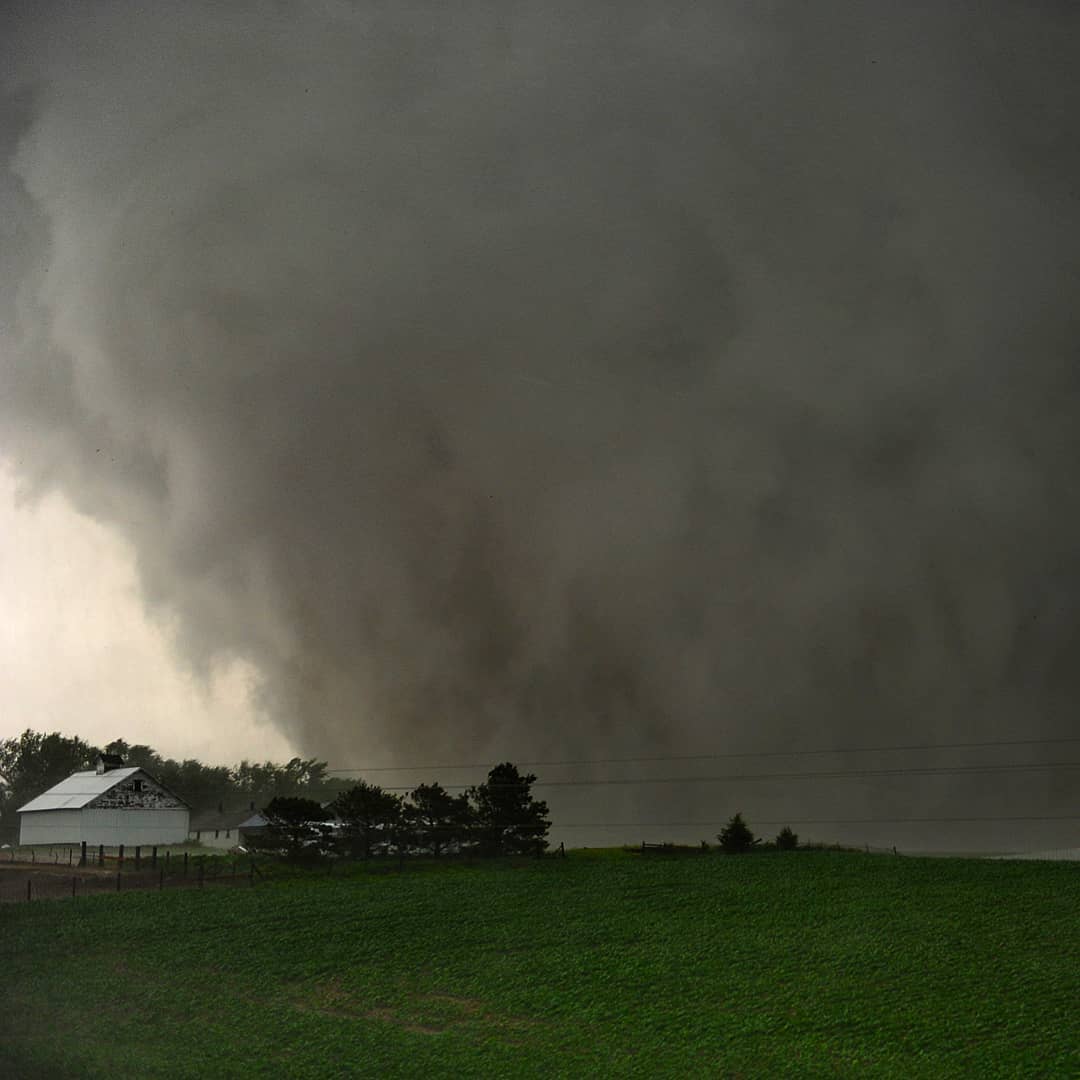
{"type": "Point", "coordinates": [35, 762]}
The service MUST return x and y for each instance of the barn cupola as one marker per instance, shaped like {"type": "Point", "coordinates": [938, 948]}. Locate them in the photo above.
{"type": "Point", "coordinates": [106, 762]}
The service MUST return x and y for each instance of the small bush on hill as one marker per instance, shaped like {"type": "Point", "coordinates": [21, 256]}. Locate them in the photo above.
{"type": "Point", "coordinates": [736, 837]}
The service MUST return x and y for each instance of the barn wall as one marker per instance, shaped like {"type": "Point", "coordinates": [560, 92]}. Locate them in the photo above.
{"type": "Point", "coordinates": [134, 826]}
{"type": "Point", "coordinates": [50, 827]}
{"type": "Point", "coordinates": [108, 827]}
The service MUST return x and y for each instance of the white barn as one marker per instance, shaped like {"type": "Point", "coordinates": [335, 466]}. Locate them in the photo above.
{"type": "Point", "coordinates": [110, 805]}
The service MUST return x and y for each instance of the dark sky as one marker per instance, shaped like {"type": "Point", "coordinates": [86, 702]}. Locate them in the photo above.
{"type": "Point", "coordinates": [561, 380]}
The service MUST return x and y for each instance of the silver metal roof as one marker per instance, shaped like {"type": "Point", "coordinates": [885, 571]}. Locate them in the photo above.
{"type": "Point", "coordinates": [78, 789]}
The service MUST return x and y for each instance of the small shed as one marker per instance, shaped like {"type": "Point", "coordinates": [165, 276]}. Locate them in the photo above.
{"type": "Point", "coordinates": [112, 804]}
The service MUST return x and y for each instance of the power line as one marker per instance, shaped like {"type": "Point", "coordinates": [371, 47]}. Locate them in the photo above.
{"type": "Point", "coordinates": [801, 821]}
{"type": "Point", "coordinates": [742, 777]}
{"type": "Point", "coordinates": [435, 827]}
{"type": "Point", "coordinates": [716, 757]}
{"type": "Point", "coordinates": [946, 770]}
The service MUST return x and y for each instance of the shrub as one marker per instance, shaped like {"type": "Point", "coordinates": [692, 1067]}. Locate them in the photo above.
{"type": "Point", "coordinates": [786, 840]}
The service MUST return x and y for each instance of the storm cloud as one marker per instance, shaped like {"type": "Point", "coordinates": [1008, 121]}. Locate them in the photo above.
{"type": "Point", "coordinates": [543, 379]}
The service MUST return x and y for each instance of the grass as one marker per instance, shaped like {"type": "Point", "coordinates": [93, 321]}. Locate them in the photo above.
{"type": "Point", "coordinates": [601, 964]}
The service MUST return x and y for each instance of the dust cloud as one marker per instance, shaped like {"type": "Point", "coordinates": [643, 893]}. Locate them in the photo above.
{"type": "Point", "coordinates": [533, 381]}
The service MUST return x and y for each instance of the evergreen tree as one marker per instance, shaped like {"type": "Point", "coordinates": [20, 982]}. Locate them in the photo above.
{"type": "Point", "coordinates": [437, 821]}
{"type": "Point", "coordinates": [508, 820]}
{"type": "Point", "coordinates": [369, 817]}
{"type": "Point", "coordinates": [736, 837]}
{"type": "Point", "coordinates": [786, 840]}
{"type": "Point", "coordinates": [296, 826]}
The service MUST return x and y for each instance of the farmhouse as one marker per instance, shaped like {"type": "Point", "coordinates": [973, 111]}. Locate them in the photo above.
{"type": "Point", "coordinates": [113, 804]}
{"type": "Point", "coordinates": [219, 828]}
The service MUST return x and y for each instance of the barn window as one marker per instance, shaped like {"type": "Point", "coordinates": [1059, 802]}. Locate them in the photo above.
{"type": "Point", "coordinates": [136, 785]}
{"type": "Point", "coordinates": [217, 833]}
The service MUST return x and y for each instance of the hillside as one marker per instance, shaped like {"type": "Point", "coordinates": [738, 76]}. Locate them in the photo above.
{"type": "Point", "coordinates": [600, 964]}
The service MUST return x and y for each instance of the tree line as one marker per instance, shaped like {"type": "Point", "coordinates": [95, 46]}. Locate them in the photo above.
{"type": "Point", "coordinates": [497, 817]}
{"type": "Point", "coordinates": [309, 811]}
{"type": "Point", "coordinates": [306, 810]}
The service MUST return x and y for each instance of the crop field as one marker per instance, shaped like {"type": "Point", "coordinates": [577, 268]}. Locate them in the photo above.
{"type": "Point", "coordinates": [600, 964]}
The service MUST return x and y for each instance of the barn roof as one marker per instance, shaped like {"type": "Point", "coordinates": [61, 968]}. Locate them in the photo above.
{"type": "Point", "coordinates": [78, 789]}
{"type": "Point", "coordinates": [213, 819]}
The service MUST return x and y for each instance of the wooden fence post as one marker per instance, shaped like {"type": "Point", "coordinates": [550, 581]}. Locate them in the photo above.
{"type": "Point", "coordinates": [120, 865]}
{"type": "Point", "coordinates": [33, 856]}
{"type": "Point", "coordinates": [153, 857]}
{"type": "Point", "coordinates": [138, 857]}
{"type": "Point", "coordinates": [74, 879]}
{"type": "Point", "coordinates": [117, 880]}
{"type": "Point", "coordinates": [71, 852]}
{"type": "Point", "coordinates": [185, 863]}
{"type": "Point", "coordinates": [82, 854]}
{"type": "Point", "coordinates": [202, 869]}
{"type": "Point", "coordinates": [29, 883]}
{"type": "Point", "coordinates": [101, 854]}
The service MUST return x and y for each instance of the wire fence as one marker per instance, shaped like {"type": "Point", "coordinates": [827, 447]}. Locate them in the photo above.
{"type": "Point", "coordinates": [31, 874]}
{"type": "Point", "coordinates": [28, 874]}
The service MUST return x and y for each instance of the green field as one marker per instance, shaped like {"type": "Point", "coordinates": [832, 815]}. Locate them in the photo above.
{"type": "Point", "coordinates": [600, 964]}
